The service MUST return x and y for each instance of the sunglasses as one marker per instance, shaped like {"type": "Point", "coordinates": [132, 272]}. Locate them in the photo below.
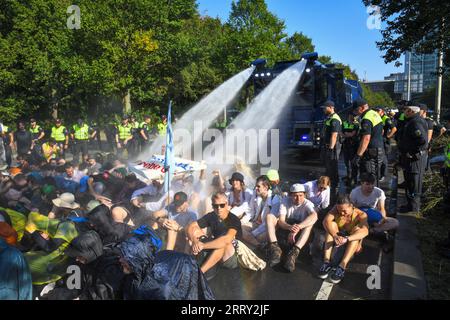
{"type": "Point", "coordinates": [221, 205]}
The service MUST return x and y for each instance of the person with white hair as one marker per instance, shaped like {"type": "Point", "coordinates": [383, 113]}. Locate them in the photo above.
{"type": "Point", "coordinates": [413, 146]}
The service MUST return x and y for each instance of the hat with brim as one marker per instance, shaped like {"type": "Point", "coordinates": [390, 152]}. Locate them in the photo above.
{"type": "Point", "coordinates": [66, 200]}
{"type": "Point", "coordinates": [273, 175]}
{"type": "Point", "coordinates": [327, 104]}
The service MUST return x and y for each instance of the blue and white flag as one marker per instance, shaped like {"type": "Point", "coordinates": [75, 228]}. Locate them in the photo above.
{"type": "Point", "coordinates": [168, 157]}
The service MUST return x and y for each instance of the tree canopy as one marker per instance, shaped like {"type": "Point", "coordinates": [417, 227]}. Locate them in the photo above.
{"type": "Point", "coordinates": [419, 25]}
{"type": "Point", "coordinates": [130, 54]}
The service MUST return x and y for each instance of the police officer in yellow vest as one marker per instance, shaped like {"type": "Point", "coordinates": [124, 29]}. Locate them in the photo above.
{"type": "Point", "coordinates": [61, 136]}
{"type": "Point", "coordinates": [80, 134]}
{"type": "Point", "coordinates": [124, 135]}
{"type": "Point", "coordinates": [162, 126]}
{"type": "Point", "coordinates": [331, 143]}
{"type": "Point", "coordinates": [38, 135]}
{"type": "Point", "coordinates": [389, 130]}
{"type": "Point", "coordinates": [370, 153]}
{"type": "Point", "coordinates": [134, 146]}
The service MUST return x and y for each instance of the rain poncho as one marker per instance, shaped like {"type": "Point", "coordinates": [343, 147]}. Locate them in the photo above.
{"type": "Point", "coordinates": [15, 278]}
{"type": "Point", "coordinates": [49, 267]}
{"type": "Point", "coordinates": [18, 221]}
{"type": "Point", "coordinates": [167, 275]}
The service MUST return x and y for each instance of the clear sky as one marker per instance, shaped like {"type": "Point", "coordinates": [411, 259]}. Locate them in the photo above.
{"type": "Point", "coordinates": [338, 29]}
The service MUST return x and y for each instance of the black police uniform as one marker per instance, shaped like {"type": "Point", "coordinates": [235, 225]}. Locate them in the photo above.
{"type": "Point", "coordinates": [413, 146]}
{"type": "Point", "coordinates": [431, 125]}
{"type": "Point", "coordinates": [349, 148]}
{"type": "Point", "coordinates": [372, 159]}
{"type": "Point", "coordinates": [387, 128]}
{"type": "Point", "coordinates": [333, 124]}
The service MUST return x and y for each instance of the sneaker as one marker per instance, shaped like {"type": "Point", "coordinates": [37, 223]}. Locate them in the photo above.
{"type": "Point", "coordinates": [337, 275]}
{"type": "Point", "coordinates": [291, 259]}
{"type": "Point", "coordinates": [325, 270]}
{"type": "Point", "coordinates": [274, 254]}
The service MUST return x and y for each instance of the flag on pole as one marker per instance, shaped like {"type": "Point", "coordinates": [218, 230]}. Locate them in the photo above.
{"type": "Point", "coordinates": [168, 157]}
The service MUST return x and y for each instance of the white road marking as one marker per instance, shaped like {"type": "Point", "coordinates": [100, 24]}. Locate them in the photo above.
{"type": "Point", "coordinates": [325, 290]}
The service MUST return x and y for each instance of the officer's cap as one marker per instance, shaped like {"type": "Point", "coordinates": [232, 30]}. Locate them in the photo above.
{"type": "Point", "coordinates": [328, 103]}
{"type": "Point", "coordinates": [359, 103]}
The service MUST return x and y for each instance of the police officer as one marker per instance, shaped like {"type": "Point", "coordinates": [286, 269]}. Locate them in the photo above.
{"type": "Point", "coordinates": [413, 146]}
{"type": "Point", "coordinates": [80, 134]}
{"type": "Point", "coordinates": [134, 146]}
{"type": "Point", "coordinates": [433, 127]}
{"type": "Point", "coordinates": [61, 136]}
{"type": "Point", "coordinates": [332, 130]}
{"type": "Point", "coordinates": [124, 135]}
{"type": "Point", "coordinates": [369, 156]}
{"type": "Point", "coordinates": [389, 131]}
{"type": "Point", "coordinates": [350, 129]}
{"type": "Point", "coordinates": [38, 135]}
{"type": "Point", "coordinates": [162, 126]}
{"type": "Point", "coordinates": [147, 132]}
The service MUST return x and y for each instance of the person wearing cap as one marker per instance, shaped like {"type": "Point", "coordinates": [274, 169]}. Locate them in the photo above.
{"type": "Point", "coordinates": [345, 227]}
{"type": "Point", "coordinates": [162, 126]}
{"type": "Point", "coordinates": [389, 131]}
{"type": "Point", "coordinates": [147, 132]}
{"type": "Point", "coordinates": [294, 226]}
{"type": "Point", "coordinates": [370, 153]}
{"type": "Point", "coordinates": [350, 129]}
{"type": "Point", "coordinates": [175, 218]}
{"type": "Point", "coordinates": [6, 143]}
{"type": "Point", "coordinates": [433, 127]}
{"type": "Point", "coordinates": [239, 197]}
{"type": "Point", "coordinates": [81, 133]}
{"type": "Point", "coordinates": [38, 135]}
{"type": "Point", "coordinates": [124, 135]}
{"type": "Point", "coordinates": [331, 144]}
{"type": "Point", "coordinates": [224, 227]}
{"type": "Point", "coordinates": [61, 136]}
{"type": "Point", "coordinates": [413, 147]}
{"type": "Point", "coordinates": [63, 205]}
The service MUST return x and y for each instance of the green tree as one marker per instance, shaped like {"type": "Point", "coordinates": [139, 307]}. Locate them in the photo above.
{"type": "Point", "coordinates": [298, 44]}
{"type": "Point", "coordinates": [422, 25]}
{"type": "Point", "coordinates": [377, 98]}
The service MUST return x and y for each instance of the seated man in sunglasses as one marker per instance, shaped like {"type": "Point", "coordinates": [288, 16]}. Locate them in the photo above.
{"type": "Point", "coordinates": [225, 228]}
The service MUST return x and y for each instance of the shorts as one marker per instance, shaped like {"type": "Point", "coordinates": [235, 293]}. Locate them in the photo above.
{"type": "Point", "coordinates": [231, 262]}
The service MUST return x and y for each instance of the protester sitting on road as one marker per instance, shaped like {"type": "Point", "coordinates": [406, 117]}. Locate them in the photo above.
{"type": "Point", "coordinates": [94, 167]}
{"type": "Point", "coordinates": [175, 218]}
{"type": "Point", "coordinates": [293, 228]}
{"type": "Point", "coordinates": [63, 205]}
{"type": "Point", "coordinates": [255, 231]}
{"type": "Point", "coordinates": [371, 200]}
{"type": "Point", "coordinates": [157, 194]}
{"type": "Point", "coordinates": [50, 150]}
{"type": "Point", "coordinates": [239, 197]}
{"type": "Point", "coordinates": [110, 231]}
{"type": "Point", "coordinates": [15, 277]}
{"type": "Point", "coordinates": [346, 227]}
{"type": "Point", "coordinates": [225, 228]}
{"type": "Point", "coordinates": [72, 173]}
{"type": "Point", "coordinates": [318, 192]}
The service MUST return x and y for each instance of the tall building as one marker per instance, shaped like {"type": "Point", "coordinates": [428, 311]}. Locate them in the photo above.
{"type": "Point", "coordinates": [423, 74]}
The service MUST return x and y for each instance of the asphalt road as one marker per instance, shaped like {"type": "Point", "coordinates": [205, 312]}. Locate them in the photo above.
{"type": "Point", "coordinates": [303, 284]}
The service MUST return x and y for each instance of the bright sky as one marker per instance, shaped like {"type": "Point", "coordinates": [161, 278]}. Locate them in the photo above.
{"type": "Point", "coordinates": [338, 29]}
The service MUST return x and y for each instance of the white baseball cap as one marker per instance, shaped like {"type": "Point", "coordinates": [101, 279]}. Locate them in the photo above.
{"type": "Point", "coordinates": [298, 187]}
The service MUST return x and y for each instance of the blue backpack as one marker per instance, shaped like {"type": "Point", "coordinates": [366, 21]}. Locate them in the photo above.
{"type": "Point", "coordinates": [145, 230]}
